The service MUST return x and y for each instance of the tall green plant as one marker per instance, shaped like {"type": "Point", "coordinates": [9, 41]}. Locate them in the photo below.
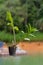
{"type": "Point", "coordinates": [10, 18]}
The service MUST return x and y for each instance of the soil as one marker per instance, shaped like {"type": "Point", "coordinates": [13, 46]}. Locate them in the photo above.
{"type": "Point", "coordinates": [32, 47]}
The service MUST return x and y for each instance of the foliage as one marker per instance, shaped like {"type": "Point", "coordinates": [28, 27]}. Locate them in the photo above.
{"type": "Point", "coordinates": [9, 18]}
{"type": "Point", "coordinates": [31, 29]}
{"type": "Point", "coordinates": [19, 14]}
{"type": "Point", "coordinates": [7, 37]}
{"type": "Point", "coordinates": [23, 11]}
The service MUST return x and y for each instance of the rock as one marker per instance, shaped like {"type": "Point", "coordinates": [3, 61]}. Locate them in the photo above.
{"type": "Point", "coordinates": [20, 51]}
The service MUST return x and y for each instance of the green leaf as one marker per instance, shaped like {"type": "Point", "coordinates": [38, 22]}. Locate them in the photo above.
{"type": "Point", "coordinates": [16, 28]}
{"type": "Point", "coordinates": [29, 28]}
{"type": "Point", "coordinates": [9, 17]}
{"type": "Point", "coordinates": [34, 29]}
{"type": "Point", "coordinates": [9, 24]}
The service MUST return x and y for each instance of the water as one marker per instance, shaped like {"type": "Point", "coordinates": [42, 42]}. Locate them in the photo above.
{"type": "Point", "coordinates": [11, 60]}
{"type": "Point", "coordinates": [22, 60]}
{"type": "Point", "coordinates": [1, 61]}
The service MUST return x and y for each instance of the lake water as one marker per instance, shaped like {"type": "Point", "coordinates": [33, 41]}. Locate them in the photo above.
{"type": "Point", "coordinates": [1, 61]}
{"type": "Point", "coordinates": [21, 60]}
{"type": "Point", "coordinates": [11, 60]}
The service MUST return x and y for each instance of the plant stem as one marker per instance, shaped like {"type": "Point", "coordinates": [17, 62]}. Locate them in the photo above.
{"type": "Point", "coordinates": [14, 37]}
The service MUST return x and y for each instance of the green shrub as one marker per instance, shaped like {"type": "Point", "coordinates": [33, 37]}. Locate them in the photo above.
{"type": "Point", "coordinates": [6, 37]}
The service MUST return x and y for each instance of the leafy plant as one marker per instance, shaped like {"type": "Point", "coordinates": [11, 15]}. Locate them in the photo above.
{"type": "Point", "coordinates": [10, 18]}
{"type": "Point", "coordinates": [31, 29]}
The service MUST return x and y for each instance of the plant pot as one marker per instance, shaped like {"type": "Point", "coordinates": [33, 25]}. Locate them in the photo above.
{"type": "Point", "coordinates": [12, 50]}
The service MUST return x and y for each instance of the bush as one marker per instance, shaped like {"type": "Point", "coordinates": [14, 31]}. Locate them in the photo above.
{"type": "Point", "coordinates": [6, 37]}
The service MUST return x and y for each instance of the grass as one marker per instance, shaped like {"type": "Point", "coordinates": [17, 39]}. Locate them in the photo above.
{"type": "Point", "coordinates": [22, 60]}
{"type": "Point", "coordinates": [39, 36]}
{"type": "Point", "coordinates": [21, 36]}
{"type": "Point", "coordinates": [7, 37]}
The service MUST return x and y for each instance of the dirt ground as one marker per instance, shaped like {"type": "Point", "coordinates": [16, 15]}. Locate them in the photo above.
{"type": "Point", "coordinates": [32, 47]}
